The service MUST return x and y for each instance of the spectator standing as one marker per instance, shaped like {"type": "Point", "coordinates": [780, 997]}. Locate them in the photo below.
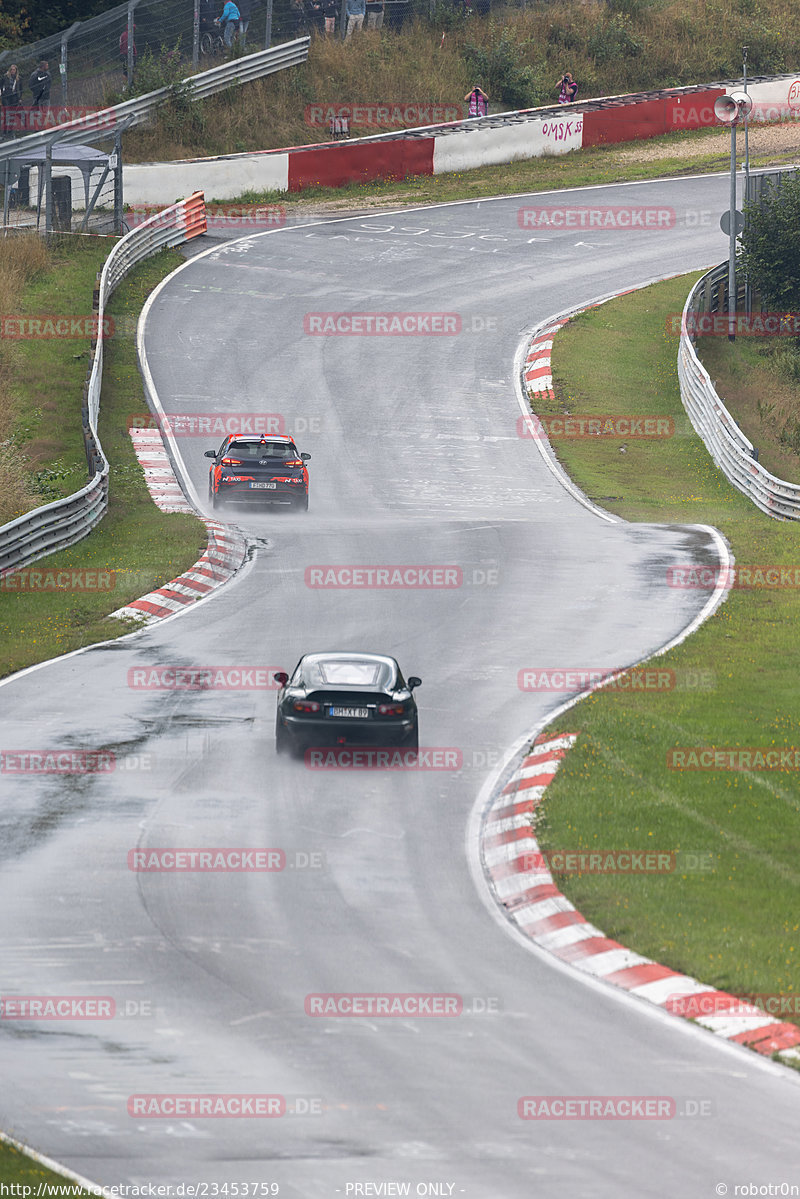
{"type": "Point", "coordinates": [330, 10]}
{"type": "Point", "coordinates": [375, 11]}
{"type": "Point", "coordinates": [245, 7]}
{"type": "Point", "coordinates": [39, 83]}
{"type": "Point", "coordinates": [11, 91]}
{"type": "Point", "coordinates": [354, 11]}
{"type": "Point", "coordinates": [478, 102]}
{"type": "Point", "coordinates": [123, 52]}
{"type": "Point", "coordinates": [316, 15]}
{"type": "Point", "coordinates": [297, 15]}
{"type": "Point", "coordinates": [568, 89]}
{"type": "Point", "coordinates": [228, 21]}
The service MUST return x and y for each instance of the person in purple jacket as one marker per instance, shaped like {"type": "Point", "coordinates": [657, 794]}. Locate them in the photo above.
{"type": "Point", "coordinates": [478, 102]}
{"type": "Point", "coordinates": [568, 89]}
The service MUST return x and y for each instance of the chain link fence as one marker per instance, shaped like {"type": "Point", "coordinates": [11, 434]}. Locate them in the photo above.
{"type": "Point", "coordinates": [92, 62]}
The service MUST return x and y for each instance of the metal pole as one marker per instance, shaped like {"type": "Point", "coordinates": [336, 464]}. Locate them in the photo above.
{"type": "Point", "coordinates": [732, 250]}
{"type": "Point", "coordinates": [118, 197]}
{"type": "Point", "coordinates": [5, 196]}
{"type": "Point", "coordinates": [62, 66]}
{"type": "Point", "coordinates": [131, 4]}
{"type": "Point", "coordinates": [268, 32]}
{"type": "Point", "coordinates": [196, 34]}
{"type": "Point", "coordinates": [748, 294]}
{"type": "Point", "coordinates": [48, 188]}
{"type": "Point", "coordinates": [747, 117]}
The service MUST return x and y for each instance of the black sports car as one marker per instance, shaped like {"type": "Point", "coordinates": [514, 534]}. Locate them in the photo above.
{"type": "Point", "coordinates": [342, 698]}
{"type": "Point", "coordinates": [259, 469]}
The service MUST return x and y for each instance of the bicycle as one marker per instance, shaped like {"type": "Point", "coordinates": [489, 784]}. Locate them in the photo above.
{"type": "Point", "coordinates": [212, 41]}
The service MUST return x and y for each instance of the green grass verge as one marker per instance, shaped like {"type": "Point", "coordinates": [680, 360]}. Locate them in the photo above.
{"type": "Point", "coordinates": [49, 420]}
{"type": "Point", "coordinates": [761, 394]}
{"type": "Point", "coordinates": [16, 1167]}
{"type": "Point", "coordinates": [142, 546]}
{"type": "Point", "coordinates": [737, 924]}
{"type": "Point", "coordinates": [594, 166]}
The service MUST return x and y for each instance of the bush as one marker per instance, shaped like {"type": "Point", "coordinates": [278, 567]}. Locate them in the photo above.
{"type": "Point", "coordinates": [498, 67]}
{"type": "Point", "coordinates": [769, 247]}
{"type": "Point", "coordinates": [615, 40]}
{"type": "Point", "coordinates": [154, 71]}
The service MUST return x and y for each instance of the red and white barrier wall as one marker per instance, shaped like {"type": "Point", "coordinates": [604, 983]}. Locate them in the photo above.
{"type": "Point", "coordinates": [456, 147]}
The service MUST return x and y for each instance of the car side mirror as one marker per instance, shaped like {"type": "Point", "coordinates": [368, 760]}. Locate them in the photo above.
{"type": "Point", "coordinates": [306, 457]}
{"type": "Point", "coordinates": [281, 677]}
{"type": "Point", "coordinates": [414, 682]}
{"type": "Point", "coordinates": [210, 454]}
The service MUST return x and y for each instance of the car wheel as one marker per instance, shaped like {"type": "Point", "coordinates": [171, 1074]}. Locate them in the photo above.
{"type": "Point", "coordinates": [301, 505]}
{"type": "Point", "coordinates": [285, 743]}
{"type": "Point", "coordinates": [412, 740]}
{"type": "Point", "coordinates": [282, 742]}
{"type": "Point", "coordinates": [216, 500]}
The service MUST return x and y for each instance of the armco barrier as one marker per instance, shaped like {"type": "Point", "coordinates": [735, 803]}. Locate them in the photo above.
{"type": "Point", "coordinates": [732, 452]}
{"type": "Point", "coordinates": [455, 146]}
{"type": "Point", "coordinates": [135, 111]}
{"type": "Point", "coordinates": [64, 522]}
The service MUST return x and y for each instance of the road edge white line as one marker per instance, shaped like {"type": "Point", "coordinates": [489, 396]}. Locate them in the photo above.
{"type": "Point", "coordinates": [49, 1164]}
{"type": "Point", "coordinates": [513, 757]}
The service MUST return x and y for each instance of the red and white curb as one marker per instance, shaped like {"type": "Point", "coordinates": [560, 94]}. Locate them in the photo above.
{"type": "Point", "coordinates": [224, 554]}
{"type": "Point", "coordinates": [165, 489]}
{"type": "Point", "coordinates": [538, 371]}
{"type": "Point", "coordinates": [524, 888]}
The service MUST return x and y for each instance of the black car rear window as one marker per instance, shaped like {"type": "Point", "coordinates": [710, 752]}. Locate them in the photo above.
{"type": "Point", "coordinates": [253, 450]}
{"type": "Point", "coordinates": [348, 672]}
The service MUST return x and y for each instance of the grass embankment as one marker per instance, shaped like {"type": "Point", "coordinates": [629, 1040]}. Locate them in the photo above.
{"type": "Point", "coordinates": [139, 546]}
{"type": "Point", "coordinates": [516, 56]}
{"type": "Point", "coordinates": [16, 1167]}
{"type": "Point", "coordinates": [737, 924]}
{"type": "Point", "coordinates": [759, 382]}
{"type": "Point", "coordinates": [41, 418]}
{"type": "Point", "coordinates": [23, 260]}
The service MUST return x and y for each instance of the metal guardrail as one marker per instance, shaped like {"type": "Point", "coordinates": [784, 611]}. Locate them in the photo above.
{"type": "Point", "coordinates": [64, 522]}
{"type": "Point", "coordinates": [733, 453]}
{"type": "Point", "coordinates": [135, 111]}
